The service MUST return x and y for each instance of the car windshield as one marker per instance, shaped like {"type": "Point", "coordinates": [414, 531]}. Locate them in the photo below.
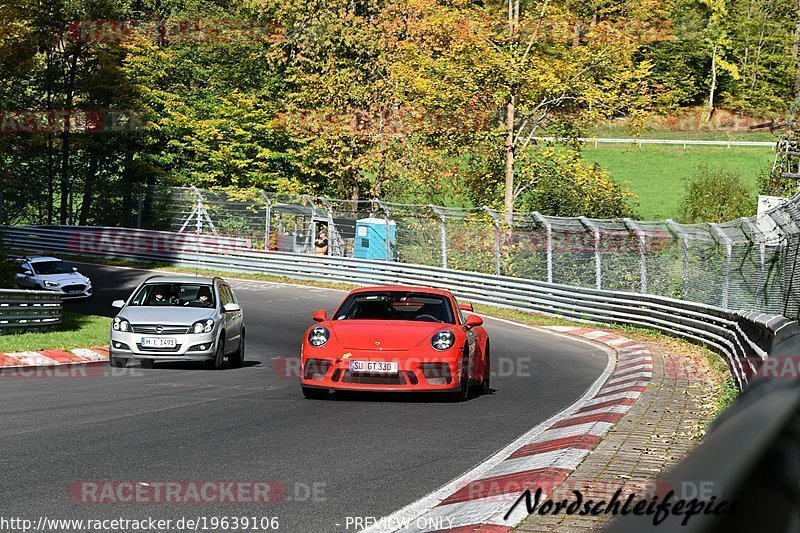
{"type": "Point", "coordinates": [45, 268]}
{"type": "Point", "coordinates": [174, 294]}
{"type": "Point", "coordinates": [396, 306]}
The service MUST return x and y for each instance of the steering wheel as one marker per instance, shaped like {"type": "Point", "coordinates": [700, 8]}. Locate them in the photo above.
{"type": "Point", "coordinates": [427, 317]}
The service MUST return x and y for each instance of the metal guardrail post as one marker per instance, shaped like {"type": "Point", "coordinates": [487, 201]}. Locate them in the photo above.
{"type": "Point", "coordinates": [549, 232]}
{"type": "Point", "coordinates": [631, 225]}
{"type": "Point", "coordinates": [598, 268]}
{"type": "Point", "coordinates": [726, 241]}
{"type": "Point", "coordinates": [267, 218]}
{"type": "Point", "coordinates": [496, 224]}
{"type": "Point", "coordinates": [443, 224]}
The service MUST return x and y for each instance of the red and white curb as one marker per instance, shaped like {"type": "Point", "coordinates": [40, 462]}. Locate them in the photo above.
{"type": "Point", "coordinates": [542, 458]}
{"type": "Point", "coordinates": [78, 356]}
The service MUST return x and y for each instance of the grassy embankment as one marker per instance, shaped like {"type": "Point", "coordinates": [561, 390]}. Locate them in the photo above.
{"type": "Point", "coordinates": [657, 173]}
{"type": "Point", "coordinates": [75, 331]}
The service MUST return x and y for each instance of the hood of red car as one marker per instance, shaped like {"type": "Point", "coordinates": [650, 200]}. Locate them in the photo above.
{"type": "Point", "coordinates": [392, 335]}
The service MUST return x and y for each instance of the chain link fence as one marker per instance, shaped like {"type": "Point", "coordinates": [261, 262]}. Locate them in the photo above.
{"type": "Point", "coordinates": [748, 263]}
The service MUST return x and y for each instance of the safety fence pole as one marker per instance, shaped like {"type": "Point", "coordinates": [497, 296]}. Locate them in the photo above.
{"type": "Point", "coordinates": [331, 228]}
{"type": "Point", "coordinates": [598, 267]}
{"type": "Point", "coordinates": [672, 225]}
{"type": "Point", "coordinates": [632, 226]}
{"type": "Point", "coordinates": [267, 218]}
{"type": "Point", "coordinates": [496, 224]}
{"type": "Point", "coordinates": [762, 245]}
{"type": "Point", "coordinates": [726, 267]}
{"type": "Point", "coordinates": [549, 233]}
{"type": "Point", "coordinates": [443, 226]}
{"type": "Point", "coordinates": [385, 209]}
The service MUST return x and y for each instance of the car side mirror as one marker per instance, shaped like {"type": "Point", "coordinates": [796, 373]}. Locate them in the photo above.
{"type": "Point", "coordinates": [74, 269]}
{"type": "Point", "coordinates": [27, 273]}
{"type": "Point", "coordinates": [231, 308]}
{"type": "Point", "coordinates": [320, 316]}
{"type": "Point", "coordinates": [466, 307]}
{"type": "Point", "coordinates": [473, 321]}
{"type": "Point", "coordinates": [119, 304]}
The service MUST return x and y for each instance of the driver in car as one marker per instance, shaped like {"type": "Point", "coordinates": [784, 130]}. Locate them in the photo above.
{"type": "Point", "coordinates": [159, 297]}
{"type": "Point", "coordinates": [203, 298]}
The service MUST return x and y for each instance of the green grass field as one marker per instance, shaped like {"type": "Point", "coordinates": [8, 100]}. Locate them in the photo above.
{"type": "Point", "coordinates": [657, 174]}
{"type": "Point", "coordinates": [76, 331]}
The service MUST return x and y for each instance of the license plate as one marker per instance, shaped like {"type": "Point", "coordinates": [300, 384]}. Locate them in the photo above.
{"type": "Point", "coordinates": [374, 367]}
{"type": "Point", "coordinates": [158, 342]}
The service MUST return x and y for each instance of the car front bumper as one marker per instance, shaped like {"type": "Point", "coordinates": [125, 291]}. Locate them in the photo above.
{"type": "Point", "coordinates": [128, 345]}
{"type": "Point", "coordinates": [86, 293]}
{"type": "Point", "coordinates": [426, 373]}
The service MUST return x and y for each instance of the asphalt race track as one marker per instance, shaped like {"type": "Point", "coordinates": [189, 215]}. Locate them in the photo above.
{"type": "Point", "coordinates": [357, 457]}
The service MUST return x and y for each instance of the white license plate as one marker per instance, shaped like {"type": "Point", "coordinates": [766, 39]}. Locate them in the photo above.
{"type": "Point", "coordinates": [374, 367]}
{"type": "Point", "coordinates": [158, 342]}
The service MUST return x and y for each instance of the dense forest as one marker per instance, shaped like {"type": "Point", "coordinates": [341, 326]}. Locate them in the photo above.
{"type": "Point", "coordinates": [405, 100]}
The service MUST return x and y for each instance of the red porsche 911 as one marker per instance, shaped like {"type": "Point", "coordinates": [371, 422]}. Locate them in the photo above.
{"type": "Point", "coordinates": [396, 339]}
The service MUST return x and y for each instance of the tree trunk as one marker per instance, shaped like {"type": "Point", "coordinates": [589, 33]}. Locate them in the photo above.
{"type": "Point", "coordinates": [88, 190]}
{"type": "Point", "coordinates": [50, 166]}
{"type": "Point", "coordinates": [509, 147]}
{"type": "Point", "coordinates": [65, 138]}
{"type": "Point", "coordinates": [508, 203]}
{"type": "Point", "coordinates": [796, 51]}
{"type": "Point", "coordinates": [713, 84]}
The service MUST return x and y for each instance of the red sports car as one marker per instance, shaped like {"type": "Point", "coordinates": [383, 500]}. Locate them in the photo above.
{"type": "Point", "coordinates": [396, 339]}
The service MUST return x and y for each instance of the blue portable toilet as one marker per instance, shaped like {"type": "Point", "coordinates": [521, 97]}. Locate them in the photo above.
{"type": "Point", "coordinates": [370, 239]}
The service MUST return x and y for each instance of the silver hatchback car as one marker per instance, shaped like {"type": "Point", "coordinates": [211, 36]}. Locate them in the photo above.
{"type": "Point", "coordinates": [178, 318]}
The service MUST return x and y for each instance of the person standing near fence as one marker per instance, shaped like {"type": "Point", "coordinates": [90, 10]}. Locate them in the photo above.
{"type": "Point", "coordinates": [321, 243]}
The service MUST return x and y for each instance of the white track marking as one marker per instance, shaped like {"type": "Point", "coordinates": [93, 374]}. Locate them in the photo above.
{"type": "Point", "coordinates": [424, 505]}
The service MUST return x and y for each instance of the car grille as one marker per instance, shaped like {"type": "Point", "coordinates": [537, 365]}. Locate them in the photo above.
{"type": "Point", "coordinates": [150, 329]}
{"type": "Point", "coordinates": [73, 288]}
{"type": "Point", "coordinates": [398, 379]}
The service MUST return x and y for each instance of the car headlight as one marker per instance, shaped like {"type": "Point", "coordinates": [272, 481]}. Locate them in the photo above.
{"type": "Point", "coordinates": [50, 283]}
{"type": "Point", "coordinates": [203, 326]}
{"type": "Point", "coordinates": [443, 340]}
{"type": "Point", "coordinates": [120, 324]}
{"type": "Point", "coordinates": [87, 281]}
{"type": "Point", "coordinates": [319, 336]}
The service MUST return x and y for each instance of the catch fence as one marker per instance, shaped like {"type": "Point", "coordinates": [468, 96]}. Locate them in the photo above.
{"type": "Point", "coordinates": [748, 263]}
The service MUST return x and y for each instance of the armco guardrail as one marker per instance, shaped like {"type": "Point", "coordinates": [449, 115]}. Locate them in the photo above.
{"type": "Point", "coordinates": [22, 311]}
{"type": "Point", "coordinates": [743, 338]}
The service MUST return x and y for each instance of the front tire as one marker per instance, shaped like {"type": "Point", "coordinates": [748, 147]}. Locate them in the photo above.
{"type": "Point", "coordinates": [462, 394]}
{"type": "Point", "coordinates": [219, 356]}
{"type": "Point", "coordinates": [487, 372]}
{"type": "Point", "coordinates": [237, 358]}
